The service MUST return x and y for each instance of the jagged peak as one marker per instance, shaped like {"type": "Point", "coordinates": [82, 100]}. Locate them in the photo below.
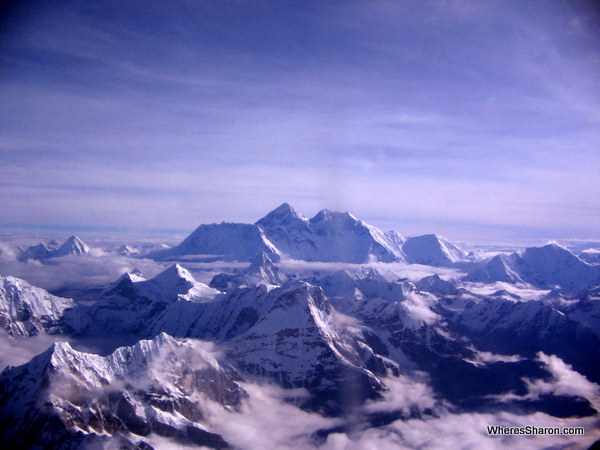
{"type": "Point", "coordinates": [131, 277]}
{"type": "Point", "coordinates": [370, 273]}
{"type": "Point", "coordinates": [73, 240]}
{"type": "Point", "coordinates": [431, 249]}
{"type": "Point", "coordinates": [554, 244]}
{"type": "Point", "coordinates": [283, 215]}
{"type": "Point", "coordinates": [435, 278]}
{"type": "Point", "coordinates": [430, 237]}
{"type": "Point", "coordinates": [295, 292]}
{"type": "Point", "coordinates": [61, 352]}
{"type": "Point", "coordinates": [63, 346]}
{"type": "Point", "coordinates": [73, 245]}
{"type": "Point", "coordinates": [174, 273]}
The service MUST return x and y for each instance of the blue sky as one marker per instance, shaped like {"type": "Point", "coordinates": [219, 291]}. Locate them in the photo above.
{"type": "Point", "coordinates": [469, 119]}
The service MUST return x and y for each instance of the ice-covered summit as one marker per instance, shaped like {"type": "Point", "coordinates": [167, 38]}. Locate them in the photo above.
{"type": "Point", "coordinates": [282, 216]}
{"type": "Point", "coordinates": [72, 246]}
{"type": "Point", "coordinates": [432, 250]}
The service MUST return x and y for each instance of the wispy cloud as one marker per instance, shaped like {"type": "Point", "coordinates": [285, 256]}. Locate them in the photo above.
{"type": "Point", "coordinates": [442, 114]}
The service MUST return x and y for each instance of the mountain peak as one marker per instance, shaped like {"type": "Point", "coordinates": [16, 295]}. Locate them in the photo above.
{"type": "Point", "coordinates": [431, 249]}
{"type": "Point", "coordinates": [283, 215]}
{"type": "Point", "coordinates": [174, 272]}
{"type": "Point", "coordinates": [262, 270]}
{"type": "Point", "coordinates": [326, 215]}
{"type": "Point", "coordinates": [73, 246]}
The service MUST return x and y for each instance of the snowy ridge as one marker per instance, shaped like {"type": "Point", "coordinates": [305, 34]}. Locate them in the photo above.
{"type": "Point", "coordinates": [296, 343]}
{"type": "Point", "coordinates": [156, 386]}
{"type": "Point", "coordinates": [261, 271]}
{"type": "Point", "coordinates": [544, 267]}
{"type": "Point", "coordinates": [237, 241]}
{"type": "Point", "coordinates": [431, 250]}
{"type": "Point", "coordinates": [590, 256]}
{"type": "Point", "coordinates": [26, 310]}
{"type": "Point", "coordinates": [329, 236]}
{"type": "Point", "coordinates": [174, 283]}
{"type": "Point", "coordinates": [134, 304]}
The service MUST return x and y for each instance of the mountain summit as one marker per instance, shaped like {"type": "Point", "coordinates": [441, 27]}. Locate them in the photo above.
{"type": "Point", "coordinates": [72, 246]}
{"type": "Point", "coordinates": [282, 216]}
{"type": "Point", "coordinates": [284, 233]}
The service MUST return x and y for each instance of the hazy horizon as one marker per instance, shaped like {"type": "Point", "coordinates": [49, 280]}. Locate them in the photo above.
{"type": "Point", "coordinates": [473, 121]}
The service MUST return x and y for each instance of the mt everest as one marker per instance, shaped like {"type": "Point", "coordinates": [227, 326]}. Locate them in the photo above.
{"type": "Point", "coordinates": [169, 360]}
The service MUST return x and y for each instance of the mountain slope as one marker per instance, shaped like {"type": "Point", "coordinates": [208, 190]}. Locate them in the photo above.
{"type": "Point", "coordinates": [237, 241]}
{"type": "Point", "coordinates": [543, 267]}
{"type": "Point", "coordinates": [133, 304]}
{"type": "Point", "coordinates": [296, 343]}
{"type": "Point", "coordinates": [261, 271]}
{"type": "Point", "coordinates": [431, 250]}
{"type": "Point", "coordinates": [64, 397]}
{"type": "Point", "coordinates": [284, 233]}
{"type": "Point", "coordinates": [329, 236]}
{"type": "Point", "coordinates": [26, 310]}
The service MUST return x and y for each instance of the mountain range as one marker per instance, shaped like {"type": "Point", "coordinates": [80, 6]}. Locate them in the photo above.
{"type": "Point", "coordinates": [328, 236]}
{"type": "Point", "coordinates": [155, 360]}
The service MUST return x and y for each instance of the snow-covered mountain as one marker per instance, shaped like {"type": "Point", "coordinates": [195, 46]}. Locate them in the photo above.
{"type": "Point", "coordinates": [505, 325]}
{"type": "Point", "coordinates": [499, 268]}
{"type": "Point", "coordinates": [261, 271]}
{"type": "Point", "coordinates": [64, 398]}
{"type": "Point", "coordinates": [72, 246]}
{"type": "Point", "coordinates": [295, 341]}
{"type": "Point", "coordinates": [26, 310]}
{"type": "Point", "coordinates": [284, 233]}
{"type": "Point", "coordinates": [133, 303]}
{"type": "Point", "coordinates": [518, 334]}
{"type": "Point", "coordinates": [238, 241]}
{"type": "Point", "coordinates": [127, 250]}
{"type": "Point", "coordinates": [329, 236]}
{"type": "Point", "coordinates": [432, 250]}
{"type": "Point", "coordinates": [547, 266]}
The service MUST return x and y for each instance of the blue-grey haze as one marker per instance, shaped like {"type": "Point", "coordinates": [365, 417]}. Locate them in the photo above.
{"type": "Point", "coordinates": [469, 119]}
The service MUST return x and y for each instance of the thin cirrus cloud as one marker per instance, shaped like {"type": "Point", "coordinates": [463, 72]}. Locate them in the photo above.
{"type": "Point", "coordinates": [449, 117]}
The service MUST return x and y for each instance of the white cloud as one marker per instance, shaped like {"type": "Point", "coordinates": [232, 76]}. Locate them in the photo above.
{"type": "Point", "coordinates": [564, 381]}
{"type": "Point", "coordinates": [266, 421]}
{"type": "Point", "coordinates": [412, 272]}
{"type": "Point", "coordinates": [466, 431]}
{"type": "Point", "coordinates": [418, 307]}
{"type": "Point", "coordinates": [78, 271]}
{"type": "Point", "coordinates": [406, 393]}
